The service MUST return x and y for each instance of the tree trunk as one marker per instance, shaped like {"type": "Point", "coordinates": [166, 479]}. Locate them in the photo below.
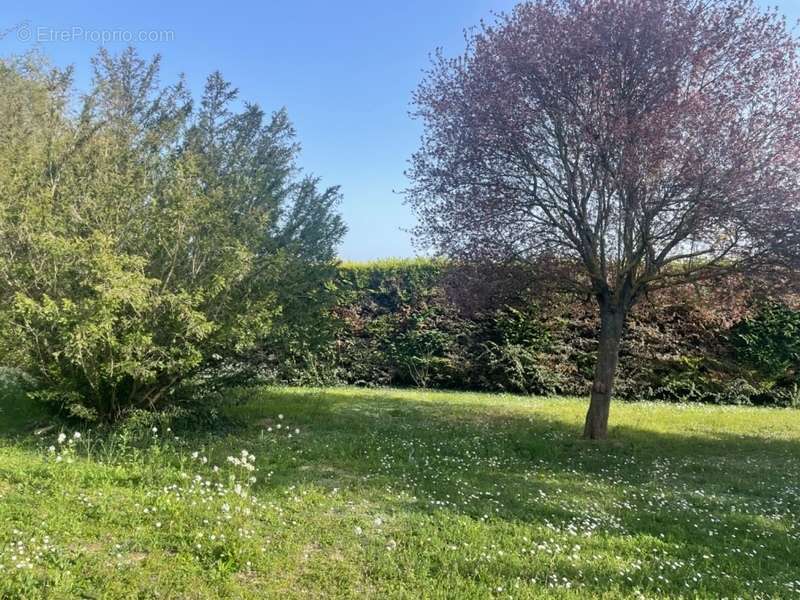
{"type": "Point", "coordinates": [611, 321]}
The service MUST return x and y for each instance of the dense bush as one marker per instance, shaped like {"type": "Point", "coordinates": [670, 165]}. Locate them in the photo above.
{"type": "Point", "coordinates": [769, 340]}
{"type": "Point", "coordinates": [414, 323]}
{"type": "Point", "coordinates": [146, 240]}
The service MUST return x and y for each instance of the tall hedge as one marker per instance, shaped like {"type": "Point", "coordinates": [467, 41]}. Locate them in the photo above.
{"type": "Point", "coordinates": [416, 323]}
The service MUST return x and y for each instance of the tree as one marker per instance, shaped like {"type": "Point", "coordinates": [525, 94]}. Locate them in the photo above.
{"type": "Point", "coordinates": [629, 145]}
{"type": "Point", "coordinates": [142, 240]}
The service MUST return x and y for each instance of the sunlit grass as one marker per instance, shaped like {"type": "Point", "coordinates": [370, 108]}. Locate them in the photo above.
{"type": "Point", "coordinates": [388, 493]}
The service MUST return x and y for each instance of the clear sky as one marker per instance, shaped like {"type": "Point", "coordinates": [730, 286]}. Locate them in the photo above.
{"type": "Point", "coordinates": [344, 69]}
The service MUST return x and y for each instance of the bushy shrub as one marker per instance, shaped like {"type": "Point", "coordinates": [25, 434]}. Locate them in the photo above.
{"type": "Point", "coordinates": [146, 239]}
{"type": "Point", "coordinates": [787, 396]}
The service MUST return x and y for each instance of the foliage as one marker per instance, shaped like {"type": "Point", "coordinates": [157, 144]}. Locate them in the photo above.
{"type": "Point", "coordinates": [769, 341]}
{"type": "Point", "coordinates": [146, 238]}
{"type": "Point", "coordinates": [14, 383]}
{"type": "Point", "coordinates": [395, 326]}
{"type": "Point", "coordinates": [513, 356]}
{"type": "Point", "coordinates": [403, 323]}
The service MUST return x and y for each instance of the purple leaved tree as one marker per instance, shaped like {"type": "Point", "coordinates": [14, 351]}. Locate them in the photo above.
{"type": "Point", "coordinates": [644, 143]}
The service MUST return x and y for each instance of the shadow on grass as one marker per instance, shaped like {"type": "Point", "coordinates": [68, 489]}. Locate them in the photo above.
{"type": "Point", "coordinates": [335, 410]}
{"type": "Point", "coordinates": [680, 494]}
{"type": "Point", "coordinates": [492, 466]}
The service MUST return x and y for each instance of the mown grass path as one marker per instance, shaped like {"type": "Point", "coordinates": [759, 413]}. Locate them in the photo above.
{"type": "Point", "coordinates": [407, 494]}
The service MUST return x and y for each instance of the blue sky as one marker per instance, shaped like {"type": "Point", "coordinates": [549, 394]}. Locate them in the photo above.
{"type": "Point", "coordinates": [345, 70]}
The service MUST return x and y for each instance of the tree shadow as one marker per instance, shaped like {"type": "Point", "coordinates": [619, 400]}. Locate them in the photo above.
{"type": "Point", "coordinates": [664, 499]}
{"type": "Point", "coordinates": [644, 505]}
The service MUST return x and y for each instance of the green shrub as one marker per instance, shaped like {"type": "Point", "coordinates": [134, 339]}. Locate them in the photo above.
{"type": "Point", "coordinates": [782, 396]}
{"type": "Point", "coordinates": [146, 241]}
{"type": "Point", "coordinates": [422, 347]}
{"type": "Point", "coordinates": [769, 341]}
{"type": "Point", "coordinates": [514, 358]}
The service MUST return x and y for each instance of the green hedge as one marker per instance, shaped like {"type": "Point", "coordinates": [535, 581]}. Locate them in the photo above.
{"type": "Point", "coordinates": [406, 323]}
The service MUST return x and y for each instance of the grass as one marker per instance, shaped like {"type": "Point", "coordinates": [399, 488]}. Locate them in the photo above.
{"type": "Point", "coordinates": [407, 494]}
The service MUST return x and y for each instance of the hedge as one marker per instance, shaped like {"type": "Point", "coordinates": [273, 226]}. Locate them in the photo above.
{"type": "Point", "coordinates": [417, 323]}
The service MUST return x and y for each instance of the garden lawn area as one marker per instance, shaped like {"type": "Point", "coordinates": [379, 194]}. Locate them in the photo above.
{"type": "Point", "coordinates": [405, 494]}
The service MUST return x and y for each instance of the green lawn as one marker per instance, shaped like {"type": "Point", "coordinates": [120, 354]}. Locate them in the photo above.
{"type": "Point", "coordinates": [407, 494]}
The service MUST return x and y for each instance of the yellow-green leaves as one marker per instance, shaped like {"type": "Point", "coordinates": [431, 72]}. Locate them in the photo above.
{"type": "Point", "coordinates": [138, 238]}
